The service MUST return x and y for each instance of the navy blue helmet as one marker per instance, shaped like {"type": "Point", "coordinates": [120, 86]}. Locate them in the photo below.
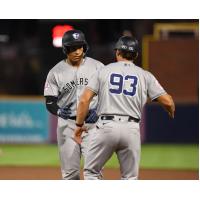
{"type": "Point", "coordinates": [74, 38]}
{"type": "Point", "coordinates": [127, 43]}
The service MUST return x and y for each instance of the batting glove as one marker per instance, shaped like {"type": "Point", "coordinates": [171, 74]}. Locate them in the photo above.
{"type": "Point", "coordinates": [65, 112]}
{"type": "Point", "coordinates": [92, 116]}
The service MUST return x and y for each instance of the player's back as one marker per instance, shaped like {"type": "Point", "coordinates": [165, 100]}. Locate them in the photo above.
{"type": "Point", "coordinates": [124, 89]}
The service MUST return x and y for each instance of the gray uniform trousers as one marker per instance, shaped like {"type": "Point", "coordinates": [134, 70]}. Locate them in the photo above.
{"type": "Point", "coordinates": [69, 151]}
{"type": "Point", "coordinates": [119, 136]}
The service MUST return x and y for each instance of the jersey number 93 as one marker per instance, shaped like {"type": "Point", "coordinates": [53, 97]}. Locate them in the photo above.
{"type": "Point", "coordinates": [126, 85]}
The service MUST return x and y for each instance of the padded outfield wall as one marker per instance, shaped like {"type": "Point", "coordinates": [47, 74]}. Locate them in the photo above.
{"type": "Point", "coordinates": [26, 120]}
{"type": "Point", "coordinates": [23, 120]}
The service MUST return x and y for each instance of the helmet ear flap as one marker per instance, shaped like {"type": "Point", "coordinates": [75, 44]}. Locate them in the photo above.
{"type": "Point", "coordinates": [64, 50]}
{"type": "Point", "coordinates": [85, 48]}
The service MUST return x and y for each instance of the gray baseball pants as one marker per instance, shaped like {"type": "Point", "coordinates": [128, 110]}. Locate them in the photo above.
{"type": "Point", "coordinates": [119, 136]}
{"type": "Point", "coordinates": [69, 151]}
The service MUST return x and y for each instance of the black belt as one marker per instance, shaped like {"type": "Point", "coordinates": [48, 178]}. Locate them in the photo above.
{"type": "Point", "coordinates": [111, 117]}
{"type": "Point", "coordinates": [72, 118]}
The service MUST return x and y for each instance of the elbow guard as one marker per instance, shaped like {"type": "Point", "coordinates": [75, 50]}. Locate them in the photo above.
{"type": "Point", "coordinates": [51, 104]}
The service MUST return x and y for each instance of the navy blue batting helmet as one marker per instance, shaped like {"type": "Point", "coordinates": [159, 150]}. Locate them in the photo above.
{"type": "Point", "coordinates": [127, 43]}
{"type": "Point", "coordinates": [74, 38]}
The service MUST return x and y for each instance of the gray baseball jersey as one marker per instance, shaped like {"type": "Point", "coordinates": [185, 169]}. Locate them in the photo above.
{"type": "Point", "coordinates": [123, 89]}
{"type": "Point", "coordinates": [67, 83]}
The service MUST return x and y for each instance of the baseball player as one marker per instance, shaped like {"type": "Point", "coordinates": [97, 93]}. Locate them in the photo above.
{"type": "Point", "coordinates": [64, 85]}
{"type": "Point", "coordinates": [123, 89]}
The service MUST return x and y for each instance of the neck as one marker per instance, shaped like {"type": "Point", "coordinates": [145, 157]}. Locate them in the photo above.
{"type": "Point", "coordinates": [123, 59]}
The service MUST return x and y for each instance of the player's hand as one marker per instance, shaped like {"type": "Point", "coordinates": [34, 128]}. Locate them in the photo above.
{"type": "Point", "coordinates": [92, 116]}
{"type": "Point", "coordinates": [65, 112]}
{"type": "Point", "coordinates": [171, 114]}
{"type": "Point", "coordinates": [78, 132]}
{"type": "Point", "coordinates": [172, 111]}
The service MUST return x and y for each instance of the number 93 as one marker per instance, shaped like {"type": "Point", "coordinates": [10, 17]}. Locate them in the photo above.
{"type": "Point", "coordinates": [126, 85]}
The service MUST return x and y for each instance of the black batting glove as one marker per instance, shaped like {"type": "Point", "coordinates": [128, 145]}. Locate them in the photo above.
{"type": "Point", "coordinates": [65, 112]}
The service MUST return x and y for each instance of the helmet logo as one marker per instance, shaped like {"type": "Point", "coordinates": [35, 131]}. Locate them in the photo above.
{"type": "Point", "coordinates": [124, 47]}
{"type": "Point", "coordinates": [129, 48]}
{"type": "Point", "coordinates": [76, 36]}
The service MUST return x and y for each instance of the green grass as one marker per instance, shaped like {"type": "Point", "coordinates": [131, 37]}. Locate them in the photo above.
{"type": "Point", "coordinates": [166, 156]}
{"type": "Point", "coordinates": [170, 156]}
{"type": "Point", "coordinates": [29, 155]}
{"type": "Point", "coordinates": [158, 156]}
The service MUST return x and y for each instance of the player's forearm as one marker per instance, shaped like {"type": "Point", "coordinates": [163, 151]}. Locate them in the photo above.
{"type": "Point", "coordinates": [82, 111]}
{"type": "Point", "coordinates": [83, 106]}
{"type": "Point", "coordinates": [167, 102]}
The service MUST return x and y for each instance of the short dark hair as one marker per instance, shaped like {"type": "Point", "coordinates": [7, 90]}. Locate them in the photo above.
{"type": "Point", "coordinates": [128, 55]}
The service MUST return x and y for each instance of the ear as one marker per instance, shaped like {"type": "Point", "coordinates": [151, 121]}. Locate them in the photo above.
{"type": "Point", "coordinates": [117, 54]}
{"type": "Point", "coordinates": [136, 55]}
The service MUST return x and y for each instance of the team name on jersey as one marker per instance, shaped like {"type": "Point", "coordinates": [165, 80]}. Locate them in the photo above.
{"type": "Point", "coordinates": [72, 84]}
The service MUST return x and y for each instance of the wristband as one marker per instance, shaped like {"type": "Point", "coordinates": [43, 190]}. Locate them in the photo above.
{"type": "Point", "coordinates": [79, 125]}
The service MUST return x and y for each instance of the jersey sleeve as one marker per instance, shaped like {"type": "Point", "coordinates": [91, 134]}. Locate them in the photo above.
{"type": "Point", "coordinates": [51, 86]}
{"type": "Point", "coordinates": [94, 83]}
{"type": "Point", "coordinates": [101, 65]}
{"type": "Point", "coordinates": [154, 88]}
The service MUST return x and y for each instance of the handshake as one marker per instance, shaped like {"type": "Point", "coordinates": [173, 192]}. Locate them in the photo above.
{"type": "Point", "coordinates": [66, 112]}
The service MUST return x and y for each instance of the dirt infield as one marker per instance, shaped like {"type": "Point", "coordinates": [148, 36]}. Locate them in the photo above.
{"type": "Point", "coordinates": [53, 173]}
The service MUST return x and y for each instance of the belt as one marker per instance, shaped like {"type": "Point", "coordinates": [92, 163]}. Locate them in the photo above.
{"type": "Point", "coordinates": [111, 117]}
{"type": "Point", "coordinates": [72, 118]}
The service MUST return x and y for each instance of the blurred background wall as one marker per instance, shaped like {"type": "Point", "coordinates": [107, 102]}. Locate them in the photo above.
{"type": "Point", "coordinates": [168, 48]}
